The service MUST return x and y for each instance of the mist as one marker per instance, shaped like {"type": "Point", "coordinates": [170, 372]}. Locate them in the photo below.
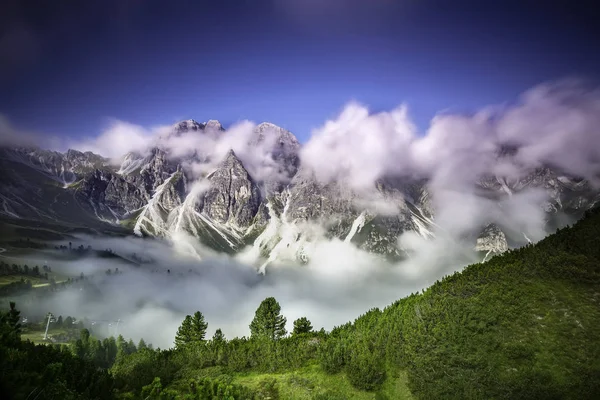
{"type": "Point", "coordinates": [340, 283]}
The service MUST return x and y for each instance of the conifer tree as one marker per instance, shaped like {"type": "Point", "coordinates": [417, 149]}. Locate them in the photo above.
{"type": "Point", "coordinates": [10, 328]}
{"type": "Point", "coordinates": [302, 325]}
{"type": "Point", "coordinates": [142, 344]}
{"type": "Point", "coordinates": [218, 337]}
{"type": "Point", "coordinates": [268, 323]}
{"type": "Point", "coordinates": [192, 330]}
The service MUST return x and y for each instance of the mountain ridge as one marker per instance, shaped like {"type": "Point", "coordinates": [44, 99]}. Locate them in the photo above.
{"type": "Point", "coordinates": [231, 203]}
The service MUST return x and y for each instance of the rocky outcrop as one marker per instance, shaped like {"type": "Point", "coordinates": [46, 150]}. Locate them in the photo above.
{"type": "Point", "coordinates": [214, 125]}
{"type": "Point", "coordinates": [186, 126]}
{"type": "Point", "coordinates": [313, 200]}
{"type": "Point", "coordinates": [157, 168]}
{"type": "Point", "coordinates": [491, 240]}
{"type": "Point", "coordinates": [233, 196]}
{"type": "Point", "coordinates": [110, 193]}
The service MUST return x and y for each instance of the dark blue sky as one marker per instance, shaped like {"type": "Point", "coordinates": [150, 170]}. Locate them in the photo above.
{"type": "Point", "coordinates": [68, 66]}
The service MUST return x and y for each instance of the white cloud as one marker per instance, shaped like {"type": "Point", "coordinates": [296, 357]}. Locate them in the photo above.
{"type": "Point", "coordinates": [120, 138]}
{"type": "Point", "coordinates": [359, 148]}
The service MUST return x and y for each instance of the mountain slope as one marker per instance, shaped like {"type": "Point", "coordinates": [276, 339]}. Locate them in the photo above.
{"type": "Point", "coordinates": [522, 325]}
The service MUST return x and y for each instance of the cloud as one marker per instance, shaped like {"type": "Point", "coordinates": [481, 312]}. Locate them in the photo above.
{"type": "Point", "coordinates": [151, 303]}
{"type": "Point", "coordinates": [120, 138]}
{"type": "Point", "coordinates": [557, 124]}
{"type": "Point", "coordinates": [359, 148]}
{"type": "Point", "coordinates": [551, 124]}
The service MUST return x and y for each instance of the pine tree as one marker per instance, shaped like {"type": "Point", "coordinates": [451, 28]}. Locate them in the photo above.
{"type": "Point", "coordinates": [302, 325]}
{"type": "Point", "coordinates": [268, 323]}
{"type": "Point", "coordinates": [131, 347]}
{"type": "Point", "coordinates": [10, 328]}
{"type": "Point", "coordinates": [218, 337]}
{"type": "Point", "coordinates": [110, 348]}
{"type": "Point", "coordinates": [14, 318]}
{"type": "Point", "coordinates": [142, 345]}
{"type": "Point", "coordinates": [121, 347]}
{"type": "Point", "coordinates": [192, 330]}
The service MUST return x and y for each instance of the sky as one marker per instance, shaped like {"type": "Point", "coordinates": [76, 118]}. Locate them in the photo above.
{"type": "Point", "coordinates": [69, 68]}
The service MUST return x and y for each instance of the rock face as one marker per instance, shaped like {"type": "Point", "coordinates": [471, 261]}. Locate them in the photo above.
{"type": "Point", "coordinates": [233, 197]}
{"type": "Point", "coordinates": [492, 240]}
{"type": "Point", "coordinates": [188, 125]}
{"type": "Point", "coordinates": [311, 200]}
{"type": "Point", "coordinates": [63, 168]}
{"type": "Point", "coordinates": [109, 191]}
{"type": "Point", "coordinates": [228, 205]}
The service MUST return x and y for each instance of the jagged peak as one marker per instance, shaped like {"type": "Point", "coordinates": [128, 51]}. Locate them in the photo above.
{"type": "Point", "coordinates": [231, 159]}
{"type": "Point", "coordinates": [73, 152]}
{"type": "Point", "coordinates": [266, 124]}
{"type": "Point", "coordinates": [283, 135]}
{"type": "Point", "coordinates": [230, 154]}
{"type": "Point", "coordinates": [213, 124]}
{"type": "Point", "coordinates": [188, 125]}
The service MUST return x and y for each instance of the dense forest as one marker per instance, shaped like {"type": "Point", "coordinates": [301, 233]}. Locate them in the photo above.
{"type": "Point", "coordinates": [524, 325]}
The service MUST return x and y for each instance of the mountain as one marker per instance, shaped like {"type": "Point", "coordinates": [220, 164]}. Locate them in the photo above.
{"type": "Point", "coordinates": [261, 199]}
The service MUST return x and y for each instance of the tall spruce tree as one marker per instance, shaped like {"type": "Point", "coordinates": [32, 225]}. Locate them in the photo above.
{"type": "Point", "coordinates": [268, 323]}
{"type": "Point", "coordinates": [192, 330]}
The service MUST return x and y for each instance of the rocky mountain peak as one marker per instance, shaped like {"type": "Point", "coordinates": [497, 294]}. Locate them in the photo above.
{"type": "Point", "coordinates": [283, 146]}
{"type": "Point", "coordinates": [267, 131]}
{"type": "Point", "coordinates": [87, 158]}
{"type": "Point", "coordinates": [233, 196]}
{"type": "Point", "coordinates": [188, 125]}
{"type": "Point", "coordinates": [72, 153]}
{"type": "Point", "coordinates": [214, 125]}
{"type": "Point", "coordinates": [492, 240]}
{"type": "Point", "coordinates": [230, 157]}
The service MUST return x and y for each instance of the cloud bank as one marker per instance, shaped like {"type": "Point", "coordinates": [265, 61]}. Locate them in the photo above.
{"type": "Point", "coordinates": [335, 287]}
{"type": "Point", "coordinates": [552, 124]}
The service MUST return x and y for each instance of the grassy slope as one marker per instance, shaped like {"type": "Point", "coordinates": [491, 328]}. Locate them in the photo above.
{"type": "Point", "coordinates": [309, 381]}
{"type": "Point", "coordinates": [37, 336]}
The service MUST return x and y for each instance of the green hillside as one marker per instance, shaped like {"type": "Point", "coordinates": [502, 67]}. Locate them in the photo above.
{"type": "Point", "coordinates": [524, 325]}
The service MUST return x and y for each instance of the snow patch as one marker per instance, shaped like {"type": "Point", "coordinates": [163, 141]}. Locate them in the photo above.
{"type": "Point", "coordinates": [357, 225]}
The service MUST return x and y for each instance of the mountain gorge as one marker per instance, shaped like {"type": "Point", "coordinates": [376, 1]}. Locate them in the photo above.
{"type": "Point", "coordinates": [261, 199]}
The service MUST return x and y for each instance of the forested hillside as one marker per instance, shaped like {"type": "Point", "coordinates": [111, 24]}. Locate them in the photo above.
{"type": "Point", "coordinates": [524, 325]}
